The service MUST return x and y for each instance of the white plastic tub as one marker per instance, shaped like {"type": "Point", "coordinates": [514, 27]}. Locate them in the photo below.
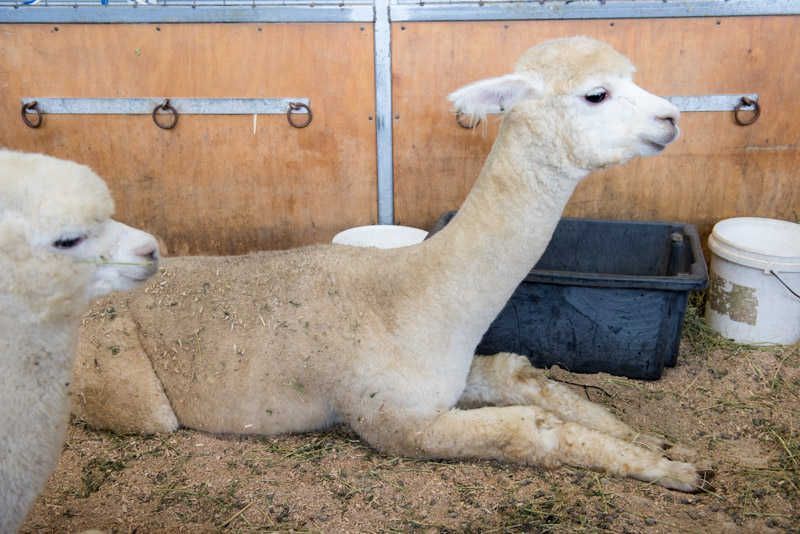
{"type": "Point", "coordinates": [754, 273]}
{"type": "Point", "coordinates": [381, 236]}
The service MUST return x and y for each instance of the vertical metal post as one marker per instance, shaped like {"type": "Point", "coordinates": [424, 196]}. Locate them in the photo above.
{"type": "Point", "coordinates": [383, 111]}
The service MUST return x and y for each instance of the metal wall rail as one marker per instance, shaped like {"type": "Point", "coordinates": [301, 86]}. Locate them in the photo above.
{"type": "Point", "coordinates": [187, 106]}
{"type": "Point", "coordinates": [482, 10]}
{"type": "Point", "coordinates": [746, 108]}
{"type": "Point", "coordinates": [183, 11]}
{"type": "Point", "coordinates": [166, 11]}
{"type": "Point", "coordinates": [695, 102]}
{"type": "Point", "coordinates": [172, 108]}
{"type": "Point", "coordinates": [712, 102]}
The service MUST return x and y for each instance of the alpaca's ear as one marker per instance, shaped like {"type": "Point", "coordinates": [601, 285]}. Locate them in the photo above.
{"type": "Point", "coordinates": [495, 95]}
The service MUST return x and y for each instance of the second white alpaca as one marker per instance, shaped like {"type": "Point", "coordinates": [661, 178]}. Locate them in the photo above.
{"type": "Point", "coordinates": [384, 340]}
{"type": "Point", "coordinates": [58, 250]}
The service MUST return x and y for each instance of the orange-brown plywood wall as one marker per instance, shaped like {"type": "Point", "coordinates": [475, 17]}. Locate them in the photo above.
{"type": "Point", "coordinates": [716, 169]}
{"type": "Point", "coordinates": [224, 185]}
{"type": "Point", "coordinates": [214, 184]}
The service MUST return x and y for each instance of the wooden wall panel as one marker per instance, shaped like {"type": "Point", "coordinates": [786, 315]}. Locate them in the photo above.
{"type": "Point", "coordinates": [212, 185]}
{"type": "Point", "coordinates": [716, 170]}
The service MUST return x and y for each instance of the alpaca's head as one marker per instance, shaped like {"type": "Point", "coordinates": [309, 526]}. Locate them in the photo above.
{"type": "Point", "coordinates": [58, 245]}
{"type": "Point", "coordinates": [578, 97]}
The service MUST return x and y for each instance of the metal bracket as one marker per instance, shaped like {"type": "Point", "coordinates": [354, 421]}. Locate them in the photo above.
{"type": "Point", "coordinates": [691, 103]}
{"type": "Point", "coordinates": [182, 11]}
{"type": "Point", "coordinates": [485, 10]}
{"type": "Point", "coordinates": [711, 102]}
{"type": "Point", "coordinates": [185, 106]}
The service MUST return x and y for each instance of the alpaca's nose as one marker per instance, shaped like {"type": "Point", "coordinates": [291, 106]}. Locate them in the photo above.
{"type": "Point", "coordinates": [148, 255]}
{"type": "Point", "coordinates": [669, 114]}
{"type": "Point", "coordinates": [147, 250]}
{"type": "Point", "coordinates": [151, 255]}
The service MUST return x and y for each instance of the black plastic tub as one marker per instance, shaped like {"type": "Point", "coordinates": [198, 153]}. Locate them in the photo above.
{"type": "Point", "coordinates": [606, 296]}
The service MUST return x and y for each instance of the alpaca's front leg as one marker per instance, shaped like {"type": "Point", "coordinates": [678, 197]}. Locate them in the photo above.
{"type": "Point", "coordinates": [114, 384]}
{"type": "Point", "coordinates": [507, 379]}
{"type": "Point", "coordinates": [532, 436]}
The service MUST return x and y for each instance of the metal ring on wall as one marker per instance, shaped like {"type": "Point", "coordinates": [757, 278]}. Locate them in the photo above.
{"type": "Point", "coordinates": [746, 102]}
{"type": "Point", "coordinates": [166, 106]}
{"type": "Point", "coordinates": [467, 126]}
{"type": "Point", "coordinates": [35, 107]}
{"type": "Point", "coordinates": [295, 106]}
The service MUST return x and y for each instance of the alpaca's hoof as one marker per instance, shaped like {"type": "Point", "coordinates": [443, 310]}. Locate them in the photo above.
{"type": "Point", "coordinates": [704, 485]}
{"type": "Point", "coordinates": [697, 482]}
{"type": "Point", "coordinates": [680, 476]}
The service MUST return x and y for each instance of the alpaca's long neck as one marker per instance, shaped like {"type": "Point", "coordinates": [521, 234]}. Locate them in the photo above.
{"type": "Point", "coordinates": [503, 227]}
{"type": "Point", "coordinates": [40, 347]}
{"type": "Point", "coordinates": [36, 361]}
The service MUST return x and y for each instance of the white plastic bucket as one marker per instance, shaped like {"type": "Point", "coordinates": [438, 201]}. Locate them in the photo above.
{"type": "Point", "coordinates": [755, 265]}
{"type": "Point", "coordinates": [381, 236]}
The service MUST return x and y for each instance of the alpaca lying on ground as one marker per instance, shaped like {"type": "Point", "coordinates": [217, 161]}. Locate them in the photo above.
{"type": "Point", "coordinates": [384, 340]}
{"type": "Point", "coordinates": [58, 250]}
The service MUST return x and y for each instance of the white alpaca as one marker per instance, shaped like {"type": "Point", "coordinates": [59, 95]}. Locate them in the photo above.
{"type": "Point", "coordinates": [58, 250]}
{"type": "Point", "coordinates": [384, 340]}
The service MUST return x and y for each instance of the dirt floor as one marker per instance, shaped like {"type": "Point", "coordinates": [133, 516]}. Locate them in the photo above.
{"type": "Point", "coordinates": [731, 408]}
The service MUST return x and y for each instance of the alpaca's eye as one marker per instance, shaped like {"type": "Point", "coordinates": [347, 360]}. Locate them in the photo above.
{"type": "Point", "coordinates": [68, 242]}
{"type": "Point", "coordinates": [595, 97]}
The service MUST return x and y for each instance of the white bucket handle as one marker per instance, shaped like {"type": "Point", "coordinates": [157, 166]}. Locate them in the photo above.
{"type": "Point", "coordinates": [773, 273]}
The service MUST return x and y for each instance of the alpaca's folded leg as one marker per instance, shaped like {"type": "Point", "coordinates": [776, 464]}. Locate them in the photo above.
{"type": "Point", "coordinates": [531, 435]}
{"type": "Point", "coordinates": [114, 385]}
{"type": "Point", "coordinates": [507, 379]}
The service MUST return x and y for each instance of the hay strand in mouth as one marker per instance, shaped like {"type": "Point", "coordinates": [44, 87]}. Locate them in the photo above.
{"type": "Point", "coordinates": [106, 262]}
